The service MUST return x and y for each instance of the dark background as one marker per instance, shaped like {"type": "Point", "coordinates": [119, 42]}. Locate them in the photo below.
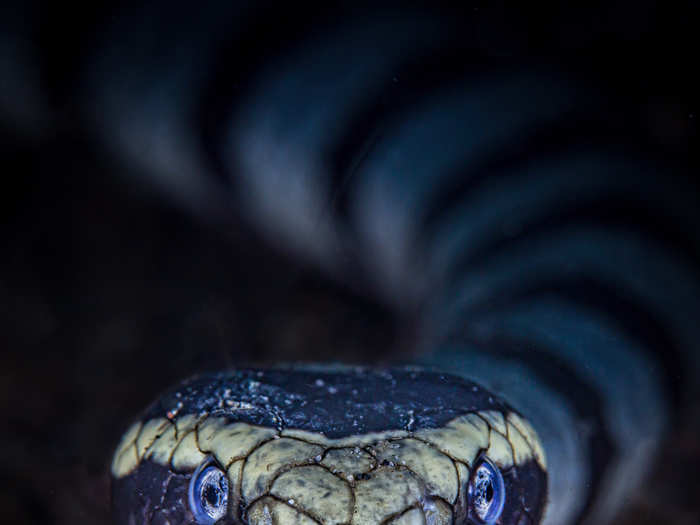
{"type": "Point", "coordinates": [109, 293]}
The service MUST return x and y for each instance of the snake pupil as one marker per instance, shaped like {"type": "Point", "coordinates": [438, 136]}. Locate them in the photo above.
{"type": "Point", "coordinates": [212, 495]}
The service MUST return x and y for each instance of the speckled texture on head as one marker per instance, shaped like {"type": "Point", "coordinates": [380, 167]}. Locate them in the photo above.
{"type": "Point", "coordinates": [337, 402]}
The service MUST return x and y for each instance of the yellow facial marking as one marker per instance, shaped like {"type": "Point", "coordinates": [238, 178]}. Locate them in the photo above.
{"type": "Point", "coordinates": [129, 438]}
{"type": "Point", "coordinates": [462, 438]}
{"type": "Point", "coordinates": [495, 420]}
{"type": "Point", "coordinates": [531, 437]}
{"type": "Point", "coordinates": [149, 433]}
{"type": "Point", "coordinates": [433, 467]}
{"type": "Point", "coordinates": [521, 450]}
{"type": "Point", "coordinates": [268, 511]}
{"type": "Point", "coordinates": [185, 442]}
{"type": "Point", "coordinates": [437, 512]}
{"type": "Point", "coordinates": [387, 492]}
{"type": "Point", "coordinates": [208, 430]}
{"type": "Point", "coordinates": [348, 462]}
{"type": "Point", "coordinates": [412, 517]}
{"type": "Point", "coordinates": [434, 512]}
{"type": "Point", "coordinates": [159, 452]}
{"type": "Point", "coordinates": [186, 424]}
{"type": "Point", "coordinates": [234, 474]}
{"type": "Point", "coordinates": [126, 457]}
{"type": "Point", "coordinates": [500, 450]}
{"type": "Point", "coordinates": [301, 477]}
{"type": "Point", "coordinates": [463, 473]}
{"type": "Point", "coordinates": [360, 440]}
{"type": "Point", "coordinates": [265, 462]}
{"type": "Point", "coordinates": [318, 492]}
{"type": "Point", "coordinates": [236, 441]}
{"type": "Point", "coordinates": [187, 455]}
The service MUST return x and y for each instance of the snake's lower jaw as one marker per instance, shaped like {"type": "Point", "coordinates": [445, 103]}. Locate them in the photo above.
{"type": "Point", "coordinates": [348, 446]}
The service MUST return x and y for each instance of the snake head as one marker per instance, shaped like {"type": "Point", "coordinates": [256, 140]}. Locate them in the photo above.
{"type": "Point", "coordinates": [329, 445]}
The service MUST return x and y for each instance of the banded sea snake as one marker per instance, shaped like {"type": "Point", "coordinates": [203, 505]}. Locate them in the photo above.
{"type": "Point", "coordinates": [552, 259]}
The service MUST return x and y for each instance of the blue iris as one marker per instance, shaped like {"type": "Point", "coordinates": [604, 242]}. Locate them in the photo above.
{"type": "Point", "coordinates": [208, 494]}
{"type": "Point", "coordinates": [487, 492]}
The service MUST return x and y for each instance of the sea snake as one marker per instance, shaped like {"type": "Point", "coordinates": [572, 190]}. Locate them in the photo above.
{"type": "Point", "coordinates": [548, 253]}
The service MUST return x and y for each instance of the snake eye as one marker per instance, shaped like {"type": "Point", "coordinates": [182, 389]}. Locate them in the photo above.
{"type": "Point", "coordinates": [208, 494]}
{"type": "Point", "coordinates": [487, 493]}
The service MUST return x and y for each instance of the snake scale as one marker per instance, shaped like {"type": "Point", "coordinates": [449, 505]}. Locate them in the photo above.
{"type": "Point", "coordinates": [510, 210]}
